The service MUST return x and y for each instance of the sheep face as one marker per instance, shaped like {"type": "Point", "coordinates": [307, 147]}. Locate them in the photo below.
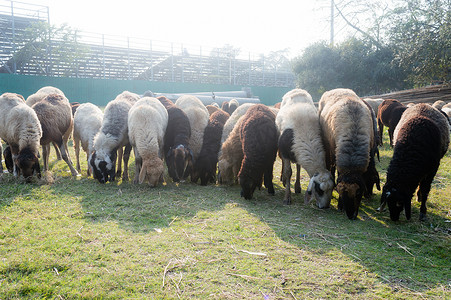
{"type": "Point", "coordinates": [151, 172]}
{"type": "Point", "coordinates": [397, 200]}
{"type": "Point", "coordinates": [321, 186]}
{"type": "Point", "coordinates": [177, 160]}
{"type": "Point", "coordinates": [103, 166]}
{"type": "Point", "coordinates": [248, 186]}
{"type": "Point", "coordinates": [28, 163]}
{"type": "Point", "coordinates": [350, 189]}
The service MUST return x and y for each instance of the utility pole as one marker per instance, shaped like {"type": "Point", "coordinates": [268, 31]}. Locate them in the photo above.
{"type": "Point", "coordinates": [331, 23]}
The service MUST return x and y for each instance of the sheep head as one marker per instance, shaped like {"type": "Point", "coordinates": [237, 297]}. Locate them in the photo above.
{"type": "Point", "coordinates": [103, 165]}
{"type": "Point", "coordinates": [151, 172]}
{"type": "Point", "coordinates": [225, 172]}
{"type": "Point", "coordinates": [28, 163]}
{"type": "Point", "coordinates": [397, 200]}
{"type": "Point", "coordinates": [248, 185]}
{"type": "Point", "coordinates": [321, 186]}
{"type": "Point", "coordinates": [177, 160]}
{"type": "Point", "coordinates": [351, 188]}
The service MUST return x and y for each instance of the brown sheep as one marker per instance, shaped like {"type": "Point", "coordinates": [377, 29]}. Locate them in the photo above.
{"type": "Point", "coordinates": [258, 135]}
{"type": "Point", "coordinates": [55, 114]}
{"type": "Point", "coordinates": [390, 111]}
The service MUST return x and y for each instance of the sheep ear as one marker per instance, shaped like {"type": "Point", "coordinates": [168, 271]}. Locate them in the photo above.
{"type": "Point", "coordinates": [308, 192]}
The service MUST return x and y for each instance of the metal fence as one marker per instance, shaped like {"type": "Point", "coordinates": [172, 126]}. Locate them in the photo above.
{"type": "Point", "coordinates": [128, 58]}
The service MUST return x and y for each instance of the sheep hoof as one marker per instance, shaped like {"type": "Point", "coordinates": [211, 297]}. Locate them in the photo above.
{"type": "Point", "coordinates": [423, 217]}
{"type": "Point", "coordinates": [287, 201]}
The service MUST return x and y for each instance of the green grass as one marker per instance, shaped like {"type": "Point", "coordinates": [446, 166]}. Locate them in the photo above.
{"type": "Point", "coordinates": [76, 238]}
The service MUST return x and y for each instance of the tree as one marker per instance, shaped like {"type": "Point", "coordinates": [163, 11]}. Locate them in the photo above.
{"type": "Point", "coordinates": [48, 48]}
{"type": "Point", "coordinates": [354, 63]}
{"type": "Point", "coordinates": [421, 36]}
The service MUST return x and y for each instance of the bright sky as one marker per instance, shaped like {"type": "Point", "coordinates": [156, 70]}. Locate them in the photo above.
{"type": "Point", "coordinates": [255, 26]}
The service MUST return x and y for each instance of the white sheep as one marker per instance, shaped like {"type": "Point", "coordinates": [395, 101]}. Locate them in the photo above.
{"type": "Point", "coordinates": [21, 129]}
{"type": "Point", "coordinates": [87, 123]}
{"type": "Point", "coordinates": [198, 118]}
{"type": "Point", "coordinates": [374, 103]}
{"type": "Point", "coordinates": [300, 142]}
{"type": "Point", "coordinates": [348, 136]}
{"type": "Point", "coordinates": [111, 139]}
{"type": "Point", "coordinates": [147, 122]}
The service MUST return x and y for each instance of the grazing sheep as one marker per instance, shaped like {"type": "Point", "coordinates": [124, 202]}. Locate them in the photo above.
{"type": "Point", "coordinates": [176, 139]}
{"type": "Point", "coordinates": [390, 111]}
{"type": "Point", "coordinates": [347, 129]}
{"type": "Point", "coordinates": [421, 139]}
{"type": "Point", "coordinates": [21, 129]}
{"type": "Point", "coordinates": [111, 139]}
{"type": "Point", "coordinates": [55, 114]}
{"type": "Point", "coordinates": [447, 109]}
{"type": "Point", "coordinates": [233, 105]}
{"type": "Point", "coordinates": [211, 109]}
{"type": "Point", "coordinates": [147, 122]}
{"type": "Point", "coordinates": [87, 123]}
{"type": "Point", "coordinates": [225, 106]}
{"type": "Point", "coordinates": [439, 104]}
{"type": "Point", "coordinates": [300, 142]}
{"type": "Point", "coordinates": [230, 154]}
{"type": "Point", "coordinates": [258, 136]}
{"type": "Point", "coordinates": [198, 118]}
{"type": "Point", "coordinates": [374, 104]}
{"type": "Point", "coordinates": [205, 165]}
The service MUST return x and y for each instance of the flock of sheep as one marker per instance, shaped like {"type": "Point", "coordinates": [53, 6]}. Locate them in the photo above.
{"type": "Point", "coordinates": [236, 143]}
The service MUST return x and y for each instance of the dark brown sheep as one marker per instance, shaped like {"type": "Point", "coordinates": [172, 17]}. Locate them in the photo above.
{"type": "Point", "coordinates": [390, 111]}
{"type": "Point", "coordinates": [55, 114]}
{"type": "Point", "coordinates": [205, 165]}
{"type": "Point", "coordinates": [421, 139]}
{"type": "Point", "coordinates": [258, 135]}
{"type": "Point", "coordinates": [178, 132]}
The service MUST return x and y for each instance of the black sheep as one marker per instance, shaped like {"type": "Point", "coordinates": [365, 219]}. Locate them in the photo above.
{"type": "Point", "coordinates": [258, 135]}
{"type": "Point", "coordinates": [389, 114]}
{"type": "Point", "coordinates": [205, 165]}
{"type": "Point", "coordinates": [178, 132]}
{"type": "Point", "coordinates": [421, 139]}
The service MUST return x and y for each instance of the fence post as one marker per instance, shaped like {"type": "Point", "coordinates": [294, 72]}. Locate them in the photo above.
{"type": "Point", "coordinates": [250, 68]}
{"type": "Point", "coordinates": [201, 66]}
{"type": "Point", "coordinates": [172, 62]}
{"type": "Point", "coordinates": [103, 54]}
{"type": "Point", "coordinates": [128, 58]}
{"type": "Point", "coordinates": [151, 61]}
{"type": "Point", "coordinates": [183, 66]}
{"type": "Point", "coordinates": [217, 56]}
{"type": "Point", "coordinates": [263, 68]}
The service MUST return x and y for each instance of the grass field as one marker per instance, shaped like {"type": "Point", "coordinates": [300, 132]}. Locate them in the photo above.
{"type": "Point", "coordinates": [76, 238]}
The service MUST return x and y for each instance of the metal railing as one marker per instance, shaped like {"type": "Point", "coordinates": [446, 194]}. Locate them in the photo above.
{"type": "Point", "coordinates": [129, 58]}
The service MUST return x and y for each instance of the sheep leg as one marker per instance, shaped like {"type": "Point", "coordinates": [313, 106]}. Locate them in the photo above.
{"type": "Point", "coordinates": [66, 158]}
{"type": "Point", "coordinates": [423, 192]}
{"type": "Point", "coordinates": [120, 152]}
{"type": "Point", "coordinates": [138, 166]}
{"type": "Point", "coordinates": [45, 156]}
{"type": "Point", "coordinates": [88, 172]}
{"type": "Point", "coordinates": [77, 154]}
{"type": "Point", "coordinates": [267, 177]}
{"type": "Point", "coordinates": [127, 151]}
{"type": "Point", "coordinates": [381, 130]}
{"type": "Point", "coordinates": [281, 172]}
{"type": "Point", "coordinates": [286, 179]}
{"type": "Point", "coordinates": [57, 150]}
{"type": "Point", "coordinates": [390, 135]}
{"type": "Point", "coordinates": [297, 184]}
